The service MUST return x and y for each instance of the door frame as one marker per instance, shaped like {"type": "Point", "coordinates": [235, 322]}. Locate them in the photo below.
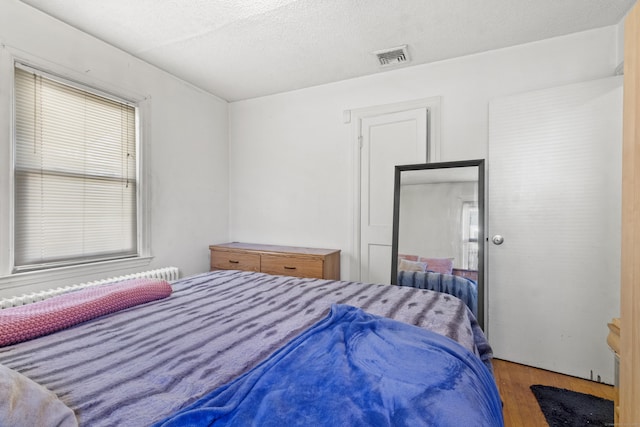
{"type": "Point", "coordinates": [355, 118]}
{"type": "Point", "coordinates": [630, 266]}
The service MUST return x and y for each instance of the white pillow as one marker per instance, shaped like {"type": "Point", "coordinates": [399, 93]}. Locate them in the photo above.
{"type": "Point", "coordinates": [407, 265]}
{"type": "Point", "coordinates": [25, 403]}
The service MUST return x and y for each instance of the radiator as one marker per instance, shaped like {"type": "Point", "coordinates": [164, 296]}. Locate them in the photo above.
{"type": "Point", "coordinates": [168, 273]}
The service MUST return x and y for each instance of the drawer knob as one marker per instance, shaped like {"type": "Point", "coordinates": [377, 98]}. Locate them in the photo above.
{"type": "Point", "coordinates": [289, 268]}
{"type": "Point", "coordinates": [234, 262]}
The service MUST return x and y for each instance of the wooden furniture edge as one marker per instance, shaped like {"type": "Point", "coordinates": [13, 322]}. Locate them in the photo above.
{"type": "Point", "coordinates": [275, 249]}
{"type": "Point", "coordinates": [629, 392]}
{"type": "Point", "coordinates": [330, 258]}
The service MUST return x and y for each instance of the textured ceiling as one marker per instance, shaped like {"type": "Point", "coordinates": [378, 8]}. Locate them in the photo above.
{"type": "Point", "coordinates": [239, 49]}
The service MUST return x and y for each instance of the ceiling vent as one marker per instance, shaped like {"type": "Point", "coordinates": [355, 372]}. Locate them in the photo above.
{"type": "Point", "coordinates": [394, 56]}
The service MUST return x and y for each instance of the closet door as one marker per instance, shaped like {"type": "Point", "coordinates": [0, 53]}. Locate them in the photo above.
{"type": "Point", "coordinates": [554, 185]}
{"type": "Point", "coordinates": [387, 140]}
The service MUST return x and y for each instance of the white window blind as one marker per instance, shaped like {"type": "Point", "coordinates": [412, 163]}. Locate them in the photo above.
{"type": "Point", "coordinates": [75, 174]}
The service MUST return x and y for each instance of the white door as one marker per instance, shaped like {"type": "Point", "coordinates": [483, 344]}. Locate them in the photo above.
{"type": "Point", "coordinates": [554, 174]}
{"type": "Point", "coordinates": [386, 141]}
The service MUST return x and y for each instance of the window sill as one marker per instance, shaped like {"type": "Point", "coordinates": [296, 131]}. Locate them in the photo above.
{"type": "Point", "coordinates": [33, 281]}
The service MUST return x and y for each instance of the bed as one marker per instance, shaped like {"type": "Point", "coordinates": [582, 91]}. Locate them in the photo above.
{"type": "Point", "coordinates": [438, 274]}
{"type": "Point", "coordinates": [223, 332]}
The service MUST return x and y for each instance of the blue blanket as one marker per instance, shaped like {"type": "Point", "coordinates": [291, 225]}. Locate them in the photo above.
{"type": "Point", "coordinates": [460, 287]}
{"type": "Point", "coordinates": [356, 369]}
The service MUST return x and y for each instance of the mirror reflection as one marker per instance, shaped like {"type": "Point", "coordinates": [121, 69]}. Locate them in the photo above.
{"type": "Point", "coordinates": [438, 217]}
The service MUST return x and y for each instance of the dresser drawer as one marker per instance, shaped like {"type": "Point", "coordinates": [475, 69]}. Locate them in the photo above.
{"type": "Point", "coordinates": [274, 259]}
{"type": "Point", "coordinates": [224, 260]}
{"type": "Point", "coordinates": [288, 265]}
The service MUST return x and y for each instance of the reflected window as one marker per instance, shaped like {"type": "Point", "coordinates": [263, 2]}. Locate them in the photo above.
{"type": "Point", "coordinates": [470, 230]}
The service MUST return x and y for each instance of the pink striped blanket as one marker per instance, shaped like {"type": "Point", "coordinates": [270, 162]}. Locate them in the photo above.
{"type": "Point", "coordinates": [30, 321]}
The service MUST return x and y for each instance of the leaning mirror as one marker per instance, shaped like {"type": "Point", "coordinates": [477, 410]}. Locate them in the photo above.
{"type": "Point", "coordinates": [438, 230]}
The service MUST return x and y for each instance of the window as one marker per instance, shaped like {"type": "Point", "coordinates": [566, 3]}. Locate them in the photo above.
{"type": "Point", "coordinates": [470, 235]}
{"type": "Point", "coordinates": [75, 174]}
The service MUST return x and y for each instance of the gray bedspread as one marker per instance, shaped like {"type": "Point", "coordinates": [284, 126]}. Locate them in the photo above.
{"type": "Point", "coordinates": [139, 365]}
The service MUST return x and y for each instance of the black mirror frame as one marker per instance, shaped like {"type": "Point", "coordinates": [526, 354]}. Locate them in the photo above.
{"type": "Point", "coordinates": [479, 163]}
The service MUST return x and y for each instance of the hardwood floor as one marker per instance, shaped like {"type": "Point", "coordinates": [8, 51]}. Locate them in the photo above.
{"type": "Point", "coordinates": [520, 406]}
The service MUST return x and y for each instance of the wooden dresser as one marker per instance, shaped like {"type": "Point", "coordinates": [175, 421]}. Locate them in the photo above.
{"type": "Point", "coordinates": [282, 260]}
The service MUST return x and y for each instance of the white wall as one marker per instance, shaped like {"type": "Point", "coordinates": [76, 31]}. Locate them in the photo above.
{"type": "Point", "coordinates": [290, 153]}
{"type": "Point", "coordinates": [187, 143]}
{"type": "Point", "coordinates": [620, 42]}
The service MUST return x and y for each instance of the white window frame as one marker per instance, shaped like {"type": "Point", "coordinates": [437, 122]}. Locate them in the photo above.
{"type": "Point", "coordinates": [23, 281]}
{"type": "Point", "coordinates": [467, 207]}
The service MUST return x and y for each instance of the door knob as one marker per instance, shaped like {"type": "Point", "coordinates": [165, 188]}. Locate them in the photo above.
{"type": "Point", "coordinates": [497, 239]}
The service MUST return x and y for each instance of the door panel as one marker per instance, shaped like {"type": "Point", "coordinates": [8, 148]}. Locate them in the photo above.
{"type": "Point", "coordinates": [387, 140]}
{"type": "Point", "coordinates": [554, 178]}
